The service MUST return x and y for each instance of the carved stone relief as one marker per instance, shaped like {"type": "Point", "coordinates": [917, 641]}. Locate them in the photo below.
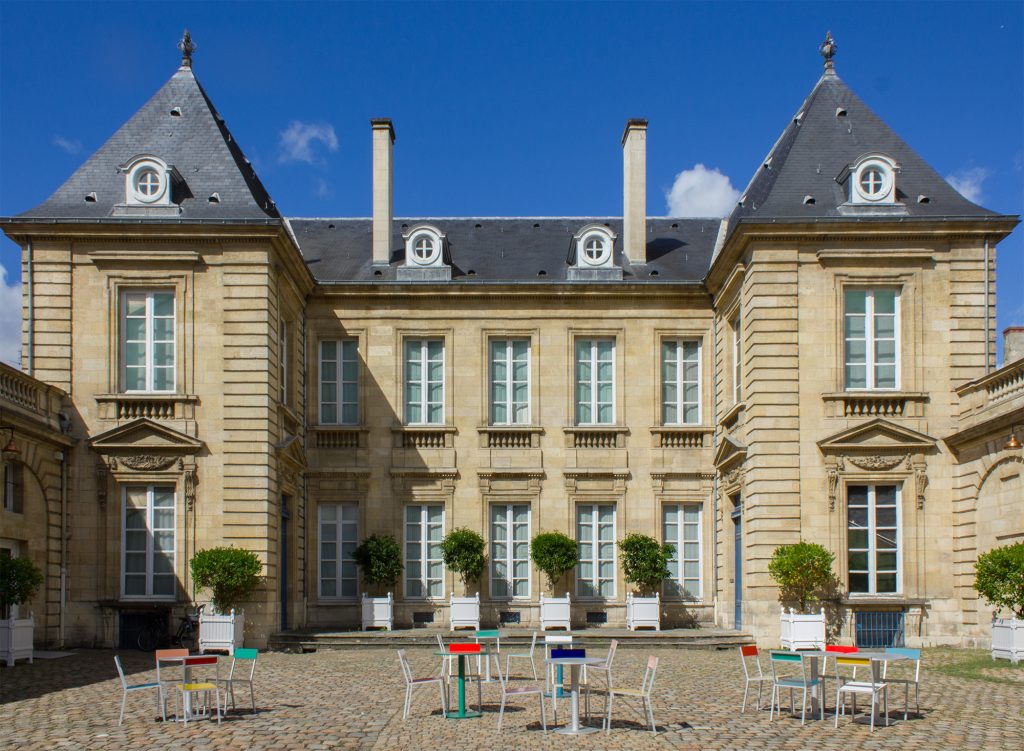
{"type": "Point", "coordinates": [148, 462]}
{"type": "Point", "coordinates": [876, 462]}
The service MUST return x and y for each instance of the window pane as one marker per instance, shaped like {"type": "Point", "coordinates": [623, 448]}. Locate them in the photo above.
{"type": "Point", "coordinates": [163, 304]}
{"type": "Point", "coordinates": [885, 301]}
{"type": "Point", "coordinates": [858, 582]}
{"type": "Point", "coordinates": [856, 301]}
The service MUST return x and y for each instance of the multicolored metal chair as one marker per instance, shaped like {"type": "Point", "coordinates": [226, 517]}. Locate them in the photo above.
{"type": "Point", "coordinates": [752, 673]}
{"type": "Point", "coordinates": [167, 683]}
{"type": "Point", "coordinates": [191, 690]}
{"type": "Point", "coordinates": [792, 682]}
{"type": "Point", "coordinates": [244, 656]}
{"type": "Point", "coordinates": [911, 654]}
{"type": "Point", "coordinates": [875, 687]}
{"type": "Point", "coordinates": [523, 656]}
{"type": "Point", "coordinates": [160, 705]}
{"type": "Point", "coordinates": [411, 683]}
{"type": "Point", "coordinates": [643, 694]}
{"type": "Point", "coordinates": [520, 690]}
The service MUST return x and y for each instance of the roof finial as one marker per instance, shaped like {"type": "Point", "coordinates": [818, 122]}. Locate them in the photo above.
{"type": "Point", "coordinates": [187, 48]}
{"type": "Point", "coordinates": [828, 50]}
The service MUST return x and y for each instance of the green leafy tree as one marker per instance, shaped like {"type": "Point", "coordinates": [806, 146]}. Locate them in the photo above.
{"type": "Point", "coordinates": [231, 575]}
{"type": "Point", "coordinates": [999, 578]}
{"type": "Point", "coordinates": [379, 558]}
{"type": "Point", "coordinates": [645, 561]}
{"type": "Point", "coordinates": [20, 579]}
{"type": "Point", "coordinates": [555, 554]}
{"type": "Point", "coordinates": [463, 552]}
{"type": "Point", "coordinates": [803, 572]}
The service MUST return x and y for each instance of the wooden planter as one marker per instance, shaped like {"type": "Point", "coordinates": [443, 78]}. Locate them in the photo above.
{"type": "Point", "coordinates": [465, 612]}
{"type": "Point", "coordinates": [16, 639]}
{"type": "Point", "coordinates": [802, 631]}
{"type": "Point", "coordinates": [378, 612]}
{"type": "Point", "coordinates": [554, 612]}
{"type": "Point", "coordinates": [221, 632]}
{"type": "Point", "coordinates": [1008, 639]}
{"type": "Point", "coordinates": [643, 612]}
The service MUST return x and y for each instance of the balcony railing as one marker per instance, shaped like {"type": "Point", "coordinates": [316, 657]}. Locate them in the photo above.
{"type": "Point", "coordinates": [596, 437]}
{"type": "Point", "coordinates": [510, 436]}
{"type": "Point", "coordinates": [875, 404]}
{"type": "Point", "coordinates": [123, 407]}
{"type": "Point", "coordinates": [681, 436]}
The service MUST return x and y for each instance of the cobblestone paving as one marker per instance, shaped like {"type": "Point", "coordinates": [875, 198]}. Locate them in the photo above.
{"type": "Point", "coordinates": [352, 699]}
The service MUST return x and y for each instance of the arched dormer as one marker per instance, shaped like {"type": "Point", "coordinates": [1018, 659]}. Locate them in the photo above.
{"type": "Point", "coordinates": [148, 181]}
{"type": "Point", "coordinates": [873, 180]}
{"type": "Point", "coordinates": [591, 254]}
{"type": "Point", "coordinates": [426, 255]}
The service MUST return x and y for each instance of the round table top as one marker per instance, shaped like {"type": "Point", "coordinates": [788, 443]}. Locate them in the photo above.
{"type": "Point", "coordinates": [449, 653]}
{"type": "Point", "coordinates": [575, 660]}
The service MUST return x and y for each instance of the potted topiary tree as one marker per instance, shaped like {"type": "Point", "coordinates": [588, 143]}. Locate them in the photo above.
{"type": "Point", "coordinates": [804, 574]}
{"type": "Point", "coordinates": [999, 578]}
{"type": "Point", "coordinates": [231, 575]}
{"type": "Point", "coordinates": [644, 564]}
{"type": "Point", "coordinates": [555, 554]}
{"type": "Point", "coordinates": [20, 579]}
{"type": "Point", "coordinates": [379, 558]}
{"type": "Point", "coordinates": [462, 551]}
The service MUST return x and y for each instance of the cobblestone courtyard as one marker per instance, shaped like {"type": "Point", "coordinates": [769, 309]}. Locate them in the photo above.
{"type": "Point", "coordinates": [352, 699]}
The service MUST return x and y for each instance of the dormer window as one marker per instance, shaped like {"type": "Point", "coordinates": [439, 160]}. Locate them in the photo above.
{"type": "Point", "coordinates": [593, 247]}
{"type": "Point", "coordinates": [873, 180]}
{"type": "Point", "coordinates": [596, 250]}
{"type": "Point", "coordinates": [426, 257]}
{"type": "Point", "coordinates": [424, 250]}
{"type": "Point", "coordinates": [147, 182]}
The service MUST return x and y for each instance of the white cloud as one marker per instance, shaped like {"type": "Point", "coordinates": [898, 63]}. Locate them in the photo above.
{"type": "Point", "coordinates": [297, 141]}
{"type": "Point", "coordinates": [967, 182]}
{"type": "Point", "coordinates": [10, 323]}
{"type": "Point", "coordinates": [323, 189]}
{"type": "Point", "coordinates": [701, 192]}
{"type": "Point", "coordinates": [70, 145]}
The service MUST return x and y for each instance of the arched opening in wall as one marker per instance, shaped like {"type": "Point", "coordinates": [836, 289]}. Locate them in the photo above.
{"type": "Point", "coordinates": [23, 528]}
{"type": "Point", "coordinates": [1000, 511]}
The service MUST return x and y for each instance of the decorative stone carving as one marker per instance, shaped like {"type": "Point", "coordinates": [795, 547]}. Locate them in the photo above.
{"type": "Point", "coordinates": [190, 488]}
{"type": "Point", "coordinates": [833, 484]}
{"type": "Point", "coordinates": [876, 462]}
{"type": "Point", "coordinates": [733, 476]}
{"type": "Point", "coordinates": [147, 462]}
{"type": "Point", "coordinates": [922, 484]}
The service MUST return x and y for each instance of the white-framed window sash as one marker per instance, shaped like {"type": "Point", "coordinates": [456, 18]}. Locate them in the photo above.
{"type": "Point", "coordinates": [874, 540]}
{"type": "Point", "coordinates": [871, 338]}
{"type": "Point", "coordinates": [595, 381]}
{"type": "Point", "coordinates": [424, 381]}
{"type": "Point", "coordinates": [681, 525]}
{"type": "Point", "coordinates": [339, 382]}
{"type": "Point", "coordinates": [148, 542]}
{"type": "Point", "coordinates": [424, 568]}
{"type": "Point", "coordinates": [510, 551]}
{"type": "Point", "coordinates": [509, 393]}
{"type": "Point", "coordinates": [339, 536]}
{"type": "Point", "coordinates": [680, 381]}
{"type": "Point", "coordinates": [147, 341]}
{"type": "Point", "coordinates": [595, 536]}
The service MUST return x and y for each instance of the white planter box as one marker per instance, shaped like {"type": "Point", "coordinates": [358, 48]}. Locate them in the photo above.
{"type": "Point", "coordinates": [802, 631]}
{"type": "Point", "coordinates": [643, 612]}
{"type": "Point", "coordinates": [1008, 639]}
{"type": "Point", "coordinates": [16, 639]}
{"type": "Point", "coordinates": [465, 612]}
{"type": "Point", "coordinates": [378, 612]}
{"type": "Point", "coordinates": [221, 631]}
{"type": "Point", "coordinates": [554, 612]}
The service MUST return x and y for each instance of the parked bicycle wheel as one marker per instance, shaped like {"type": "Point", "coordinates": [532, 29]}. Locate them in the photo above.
{"type": "Point", "coordinates": [187, 639]}
{"type": "Point", "coordinates": [149, 639]}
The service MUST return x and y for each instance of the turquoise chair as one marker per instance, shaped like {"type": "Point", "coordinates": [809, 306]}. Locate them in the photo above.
{"type": "Point", "coordinates": [915, 655]}
{"type": "Point", "coordinates": [792, 682]}
{"type": "Point", "coordinates": [242, 656]}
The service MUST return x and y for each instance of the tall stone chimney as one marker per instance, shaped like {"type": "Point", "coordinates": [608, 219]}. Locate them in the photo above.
{"type": "Point", "coordinates": [1013, 344]}
{"type": "Point", "coordinates": [634, 191]}
{"type": "Point", "coordinates": [383, 189]}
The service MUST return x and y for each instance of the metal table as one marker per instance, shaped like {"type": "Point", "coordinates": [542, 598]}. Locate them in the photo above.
{"type": "Point", "coordinates": [574, 663]}
{"type": "Point", "coordinates": [462, 714]}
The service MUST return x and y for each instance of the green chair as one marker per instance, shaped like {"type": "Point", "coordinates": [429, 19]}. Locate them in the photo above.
{"type": "Point", "coordinates": [242, 656]}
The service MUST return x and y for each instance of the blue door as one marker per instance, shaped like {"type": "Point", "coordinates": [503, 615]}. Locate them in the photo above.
{"type": "Point", "coordinates": [285, 516]}
{"type": "Point", "coordinates": [737, 520]}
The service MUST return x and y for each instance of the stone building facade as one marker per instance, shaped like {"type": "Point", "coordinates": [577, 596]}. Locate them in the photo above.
{"type": "Point", "coordinates": [817, 366]}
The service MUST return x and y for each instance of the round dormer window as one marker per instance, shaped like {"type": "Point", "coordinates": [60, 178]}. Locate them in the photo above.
{"type": "Point", "coordinates": [147, 183]}
{"type": "Point", "coordinates": [874, 182]}
{"type": "Point", "coordinates": [425, 249]}
{"type": "Point", "coordinates": [596, 250]}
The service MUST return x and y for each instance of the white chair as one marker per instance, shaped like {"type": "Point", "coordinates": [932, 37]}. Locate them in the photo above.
{"type": "Point", "coordinates": [792, 682]}
{"type": "Point", "coordinates": [604, 667]}
{"type": "Point", "coordinates": [643, 694]}
{"type": "Point", "coordinates": [913, 655]}
{"type": "Point", "coordinates": [552, 686]}
{"type": "Point", "coordinates": [160, 704]}
{"type": "Point", "coordinates": [527, 690]}
{"type": "Point", "coordinates": [875, 687]}
{"type": "Point", "coordinates": [749, 654]}
{"type": "Point", "coordinates": [524, 656]}
{"type": "Point", "coordinates": [411, 683]}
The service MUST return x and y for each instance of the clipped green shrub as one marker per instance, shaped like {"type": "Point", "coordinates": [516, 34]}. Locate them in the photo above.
{"type": "Point", "coordinates": [379, 558]}
{"type": "Point", "coordinates": [644, 561]}
{"type": "Point", "coordinates": [20, 579]}
{"type": "Point", "coordinates": [555, 554]}
{"type": "Point", "coordinates": [231, 575]}
{"type": "Point", "coordinates": [462, 551]}
{"type": "Point", "coordinates": [803, 572]}
{"type": "Point", "coordinates": [999, 578]}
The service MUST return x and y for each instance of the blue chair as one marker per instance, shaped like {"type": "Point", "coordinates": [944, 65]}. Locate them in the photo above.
{"type": "Point", "coordinates": [138, 687]}
{"type": "Point", "coordinates": [792, 682]}
{"type": "Point", "coordinates": [915, 655]}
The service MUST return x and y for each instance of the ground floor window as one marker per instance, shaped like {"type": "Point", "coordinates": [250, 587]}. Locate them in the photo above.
{"type": "Point", "coordinates": [873, 539]}
{"type": "Point", "coordinates": [13, 488]}
{"type": "Point", "coordinates": [595, 534]}
{"type": "Point", "coordinates": [682, 531]}
{"type": "Point", "coordinates": [424, 569]}
{"type": "Point", "coordinates": [510, 550]}
{"type": "Point", "coordinates": [149, 542]}
{"type": "Point", "coordinates": [339, 533]}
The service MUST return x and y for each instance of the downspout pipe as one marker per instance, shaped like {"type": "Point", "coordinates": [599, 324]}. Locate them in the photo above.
{"type": "Point", "coordinates": [988, 322]}
{"type": "Point", "coordinates": [714, 450]}
{"type": "Point", "coordinates": [30, 344]}
{"type": "Point", "coordinates": [63, 547]}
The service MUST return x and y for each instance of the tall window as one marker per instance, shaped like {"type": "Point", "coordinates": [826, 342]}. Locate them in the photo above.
{"type": "Point", "coordinates": [339, 530]}
{"type": "Point", "coordinates": [682, 532]}
{"type": "Point", "coordinates": [595, 381]}
{"type": "Point", "coordinates": [510, 381]}
{"type": "Point", "coordinates": [424, 381]}
{"type": "Point", "coordinates": [736, 327]}
{"type": "Point", "coordinates": [424, 569]}
{"type": "Point", "coordinates": [680, 382]}
{"type": "Point", "coordinates": [595, 534]}
{"type": "Point", "coordinates": [283, 365]}
{"type": "Point", "coordinates": [14, 492]}
{"type": "Point", "coordinates": [147, 341]}
{"type": "Point", "coordinates": [871, 334]}
{"type": "Point", "coordinates": [339, 382]}
{"type": "Point", "coordinates": [148, 543]}
{"type": "Point", "coordinates": [510, 550]}
{"type": "Point", "coordinates": [873, 538]}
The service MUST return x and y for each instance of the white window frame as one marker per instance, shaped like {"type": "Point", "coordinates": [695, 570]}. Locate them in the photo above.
{"type": "Point", "coordinates": [341, 525]}
{"type": "Point", "coordinates": [424, 544]}
{"type": "Point", "coordinates": [133, 174]}
{"type": "Point", "coordinates": [595, 560]}
{"type": "Point", "coordinates": [149, 340]}
{"type": "Point", "coordinates": [346, 352]}
{"type": "Point", "coordinates": [886, 169]}
{"type": "Point", "coordinates": [678, 407]}
{"type": "Point", "coordinates": [149, 551]}
{"type": "Point", "coordinates": [414, 236]}
{"type": "Point", "coordinates": [593, 361]}
{"type": "Point", "coordinates": [872, 548]}
{"type": "Point", "coordinates": [678, 542]}
{"type": "Point", "coordinates": [511, 405]}
{"type": "Point", "coordinates": [422, 344]}
{"type": "Point", "coordinates": [14, 487]}
{"type": "Point", "coordinates": [510, 559]}
{"type": "Point", "coordinates": [736, 326]}
{"type": "Point", "coordinates": [870, 338]}
{"type": "Point", "coordinates": [283, 371]}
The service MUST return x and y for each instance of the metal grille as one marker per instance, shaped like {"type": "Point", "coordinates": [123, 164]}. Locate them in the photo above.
{"type": "Point", "coordinates": [878, 628]}
{"type": "Point", "coordinates": [597, 617]}
{"type": "Point", "coordinates": [510, 616]}
{"type": "Point", "coordinates": [423, 617]}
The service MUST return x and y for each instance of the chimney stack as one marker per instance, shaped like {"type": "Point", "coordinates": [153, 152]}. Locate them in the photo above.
{"type": "Point", "coordinates": [634, 191]}
{"type": "Point", "coordinates": [1013, 344]}
{"type": "Point", "coordinates": [383, 189]}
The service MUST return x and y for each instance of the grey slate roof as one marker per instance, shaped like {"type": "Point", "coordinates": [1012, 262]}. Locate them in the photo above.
{"type": "Point", "coordinates": [197, 143]}
{"type": "Point", "coordinates": [815, 147]}
{"type": "Point", "coordinates": [507, 250]}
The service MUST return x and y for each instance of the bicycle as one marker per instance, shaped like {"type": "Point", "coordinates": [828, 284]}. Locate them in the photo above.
{"type": "Point", "coordinates": [155, 635]}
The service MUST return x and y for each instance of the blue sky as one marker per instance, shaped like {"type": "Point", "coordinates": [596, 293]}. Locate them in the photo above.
{"type": "Point", "coordinates": [513, 108]}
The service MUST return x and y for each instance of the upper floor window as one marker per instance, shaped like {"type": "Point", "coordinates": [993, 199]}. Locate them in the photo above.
{"type": "Point", "coordinates": [595, 381]}
{"type": "Point", "coordinates": [14, 487]}
{"type": "Point", "coordinates": [873, 180]}
{"type": "Point", "coordinates": [736, 330]}
{"type": "Point", "coordinates": [147, 181]}
{"type": "Point", "coordinates": [148, 549]}
{"type": "Point", "coordinates": [873, 539]}
{"type": "Point", "coordinates": [147, 341]}
{"type": "Point", "coordinates": [680, 382]}
{"type": "Point", "coordinates": [871, 338]}
{"type": "Point", "coordinates": [510, 381]}
{"type": "Point", "coordinates": [424, 381]}
{"type": "Point", "coordinates": [424, 246]}
{"type": "Point", "coordinates": [593, 247]}
{"type": "Point", "coordinates": [339, 382]}
{"type": "Point", "coordinates": [284, 363]}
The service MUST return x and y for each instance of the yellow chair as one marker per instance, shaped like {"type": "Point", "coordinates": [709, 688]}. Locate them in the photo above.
{"type": "Point", "coordinates": [192, 690]}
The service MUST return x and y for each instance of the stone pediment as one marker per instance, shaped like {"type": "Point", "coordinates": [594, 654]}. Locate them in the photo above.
{"type": "Point", "coordinates": [729, 452]}
{"type": "Point", "coordinates": [290, 453]}
{"type": "Point", "coordinates": [145, 436]}
{"type": "Point", "coordinates": [880, 436]}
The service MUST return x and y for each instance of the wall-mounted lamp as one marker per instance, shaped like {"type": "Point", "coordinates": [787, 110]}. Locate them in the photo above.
{"type": "Point", "coordinates": [10, 450]}
{"type": "Point", "coordinates": [1013, 444]}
